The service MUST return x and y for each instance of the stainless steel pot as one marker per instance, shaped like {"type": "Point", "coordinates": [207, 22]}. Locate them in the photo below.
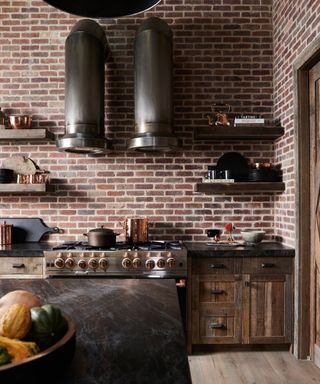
{"type": "Point", "coordinates": [136, 230]}
{"type": "Point", "coordinates": [101, 237]}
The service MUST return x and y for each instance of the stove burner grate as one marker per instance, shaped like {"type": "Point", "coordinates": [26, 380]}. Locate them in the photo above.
{"type": "Point", "coordinates": [150, 246]}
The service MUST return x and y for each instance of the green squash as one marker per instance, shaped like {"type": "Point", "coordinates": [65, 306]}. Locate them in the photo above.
{"type": "Point", "coordinates": [48, 325]}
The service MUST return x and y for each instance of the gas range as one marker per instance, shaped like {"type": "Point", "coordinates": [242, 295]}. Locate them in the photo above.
{"type": "Point", "coordinates": [155, 259]}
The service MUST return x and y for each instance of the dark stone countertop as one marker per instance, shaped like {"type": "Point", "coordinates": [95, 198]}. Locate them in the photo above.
{"type": "Point", "coordinates": [128, 331]}
{"type": "Point", "coordinates": [25, 249]}
{"type": "Point", "coordinates": [263, 249]}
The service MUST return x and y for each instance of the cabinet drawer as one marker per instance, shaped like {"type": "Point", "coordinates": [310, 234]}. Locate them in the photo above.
{"type": "Point", "coordinates": [216, 265]}
{"type": "Point", "coordinates": [219, 292]}
{"type": "Point", "coordinates": [21, 266]}
{"type": "Point", "coordinates": [267, 265]}
{"type": "Point", "coordinates": [219, 328]}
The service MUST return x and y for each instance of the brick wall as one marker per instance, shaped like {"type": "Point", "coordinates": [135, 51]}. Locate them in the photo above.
{"type": "Point", "coordinates": [295, 27]}
{"type": "Point", "coordinates": [222, 53]}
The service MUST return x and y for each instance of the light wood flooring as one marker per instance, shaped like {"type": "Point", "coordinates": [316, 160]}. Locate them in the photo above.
{"type": "Point", "coordinates": [251, 367]}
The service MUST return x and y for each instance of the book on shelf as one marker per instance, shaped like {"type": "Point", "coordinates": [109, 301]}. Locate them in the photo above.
{"type": "Point", "coordinates": [217, 181]}
{"type": "Point", "coordinates": [248, 120]}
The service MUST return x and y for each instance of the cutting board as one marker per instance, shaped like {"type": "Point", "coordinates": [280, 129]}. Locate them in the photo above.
{"type": "Point", "coordinates": [26, 229]}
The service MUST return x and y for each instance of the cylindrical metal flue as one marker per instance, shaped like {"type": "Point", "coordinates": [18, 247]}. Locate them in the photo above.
{"type": "Point", "coordinates": [153, 88]}
{"type": "Point", "coordinates": [85, 53]}
{"type": "Point", "coordinates": [103, 8]}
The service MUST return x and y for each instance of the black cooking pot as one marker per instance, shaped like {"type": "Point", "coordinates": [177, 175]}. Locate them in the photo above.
{"type": "Point", "coordinates": [101, 237]}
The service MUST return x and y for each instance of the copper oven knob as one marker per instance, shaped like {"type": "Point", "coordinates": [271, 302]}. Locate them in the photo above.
{"type": "Point", "coordinates": [69, 263]}
{"type": "Point", "coordinates": [161, 263]}
{"type": "Point", "coordinates": [103, 263]}
{"type": "Point", "coordinates": [93, 263]}
{"type": "Point", "coordinates": [126, 263]}
{"type": "Point", "coordinates": [150, 264]}
{"type": "Point", "coordinates": [137, 263]}
{"type": "Point", "coordinates": [59, 263]}
{"type": "Point", "coordinates": [82, 264]}
{"type": "Point", "coordinates": [171, 262]}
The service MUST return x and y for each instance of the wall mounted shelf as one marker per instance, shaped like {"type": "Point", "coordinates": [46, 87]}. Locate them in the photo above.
{"type": "Point", "coordinates": [247, 132]}
{"type": "Point", "coordinates": [243, 187]}
{"type": "Point", "coordinates": [23, 188]}
{"type": "Point", "coordinates": [26, 134]}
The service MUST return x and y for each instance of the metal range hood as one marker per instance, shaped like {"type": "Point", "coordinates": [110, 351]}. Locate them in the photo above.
{"type": "Point", "coordinates": [103, 8]}
{"type": "Point", "coordinates": [153, 88]}
{"type": "Point", "coordinates": [85, 54]}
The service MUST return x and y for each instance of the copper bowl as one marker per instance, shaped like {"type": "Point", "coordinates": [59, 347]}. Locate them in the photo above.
{"type": "Point", "coordinates": [20, 121]}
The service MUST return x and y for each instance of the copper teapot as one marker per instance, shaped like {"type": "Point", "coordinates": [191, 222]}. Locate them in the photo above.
{"type": "Point", "coordinates": [220, 114]}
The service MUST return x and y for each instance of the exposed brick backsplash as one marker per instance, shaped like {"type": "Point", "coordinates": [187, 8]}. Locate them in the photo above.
{"type": "Point", "coordinates": [223, 52]}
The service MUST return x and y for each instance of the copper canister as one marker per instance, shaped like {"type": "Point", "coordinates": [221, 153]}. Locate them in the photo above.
{"type": "Point", "coordinates": [137, 230]}
{"type": "Point", "coordinates": [5, 234]}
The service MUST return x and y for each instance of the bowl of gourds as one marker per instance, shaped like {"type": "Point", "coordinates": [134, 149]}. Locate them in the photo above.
{"type": "Point", "coordinates": [37, 342]}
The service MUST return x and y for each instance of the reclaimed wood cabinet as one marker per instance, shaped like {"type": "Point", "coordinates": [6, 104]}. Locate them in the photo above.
{"type": "Point", "coordinates": [21, 267]}
{"type": "Point", "coordinates": [240, 300]}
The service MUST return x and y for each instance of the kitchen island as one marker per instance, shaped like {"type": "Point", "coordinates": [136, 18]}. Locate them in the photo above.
{"type": "Point", "coordinates": [127, 330]}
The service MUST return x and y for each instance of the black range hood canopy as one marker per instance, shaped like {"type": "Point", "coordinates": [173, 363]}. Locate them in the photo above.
{"type": "Point", "coordinates": [103, 8]}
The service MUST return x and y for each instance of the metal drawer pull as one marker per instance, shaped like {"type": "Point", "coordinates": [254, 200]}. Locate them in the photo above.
{"type": "Point", "coordinates": [217, 326]}
{"type": "Point", "coordinates": [216, 266]}
{"type": "Point", "coordinates": [217, 291]}
{"type": "Point", "coordinates": [268, 265]}
{"type": "Point", "coordinates": [18, 266]}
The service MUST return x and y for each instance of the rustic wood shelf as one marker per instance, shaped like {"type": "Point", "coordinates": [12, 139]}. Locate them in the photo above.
{"type": "Point", "coordinates": [26, 134]}
{"type": "Point", "coordinates": [241, 187]}
{"type": "Point", "coordinates": [244, 132]}
{"type": "Point", "coordinates": [23, 188]}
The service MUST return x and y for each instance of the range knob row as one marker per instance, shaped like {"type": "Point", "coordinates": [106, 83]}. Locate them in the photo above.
{"type": "Point", "coordinates": [150, 264]}
{"type": "Point", "coordinates": [82, 263]}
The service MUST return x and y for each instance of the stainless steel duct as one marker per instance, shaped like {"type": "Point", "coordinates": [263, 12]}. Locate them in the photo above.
{"type": "Point", "coordinates": [85, 54]}
{"type": "Point", "coordinates": [103, 8]}
{"type": "Point", "coordinates": [153, 88]}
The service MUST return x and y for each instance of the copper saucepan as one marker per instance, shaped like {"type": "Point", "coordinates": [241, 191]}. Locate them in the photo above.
{"type": "Point", "coordinates": [136, 230]}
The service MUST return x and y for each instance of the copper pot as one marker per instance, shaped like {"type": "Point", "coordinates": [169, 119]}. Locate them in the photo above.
{"type": "Point", "coordinates": [136, 230]}
{"type": "Point", "coordinates": [101, 237]}
{"type": "Point", "coordinates": [5, 234]}
{"type": "Point", "coordinates": [20, 121]}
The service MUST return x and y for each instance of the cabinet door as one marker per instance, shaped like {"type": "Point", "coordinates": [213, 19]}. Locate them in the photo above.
{"type": "Point", "coordinates": [21, 267]}
{"type": "Point", "coordinates": [267, 309]}
{"type": "Point", "coordinates": [216, 309]}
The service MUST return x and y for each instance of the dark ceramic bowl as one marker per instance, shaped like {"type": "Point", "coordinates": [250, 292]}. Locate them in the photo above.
{"type": "Point", "coordinates": [6, 175]}
{"type": "Point", "coordinates": [213, 232]}
{"type": "Point", "coordinates": [46, 366]}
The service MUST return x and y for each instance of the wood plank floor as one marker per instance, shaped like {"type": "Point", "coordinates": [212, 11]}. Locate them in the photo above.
{"type": "Point", "coordinates": [251, 367]}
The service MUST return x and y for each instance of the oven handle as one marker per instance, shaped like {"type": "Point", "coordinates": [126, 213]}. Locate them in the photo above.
{"type": "Point", "coordinates": [181, 283]}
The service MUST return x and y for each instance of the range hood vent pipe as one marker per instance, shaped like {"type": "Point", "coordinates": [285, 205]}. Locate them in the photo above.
{"type": "Point", "coordinates": [153, 88]}
{"type": "Point", "coordinates": [85, 54]}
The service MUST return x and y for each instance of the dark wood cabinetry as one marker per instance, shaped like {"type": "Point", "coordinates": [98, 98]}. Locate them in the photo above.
{"type": "Point", "coordinates": [240, 300]}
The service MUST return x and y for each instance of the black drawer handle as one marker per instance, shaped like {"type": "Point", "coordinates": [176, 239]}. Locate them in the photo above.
{"type": "Point", "coordinates": [18, 266]}
{"type": "Point", "coordinates": [268, 265]}
{"type": "Point", "coordinates": [216, 266]}
{"type": "Point", "coordinates": [217, 292]}
{"type": "Point", "coordinates": [217, 326]}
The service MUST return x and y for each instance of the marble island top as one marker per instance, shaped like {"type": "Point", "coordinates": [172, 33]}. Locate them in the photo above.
{"type": "Point", "coordinates": [128, 331]}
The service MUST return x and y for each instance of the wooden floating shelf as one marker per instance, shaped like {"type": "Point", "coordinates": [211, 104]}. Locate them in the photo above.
{"type": "Point", "coordinates": [26, 134]}
{"type": "Point", "coordinates": [247, 132]}
{"type": "Point", "coordinates": [241, 187]}
{"type": "Point", "coordinates": [23, 188]}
